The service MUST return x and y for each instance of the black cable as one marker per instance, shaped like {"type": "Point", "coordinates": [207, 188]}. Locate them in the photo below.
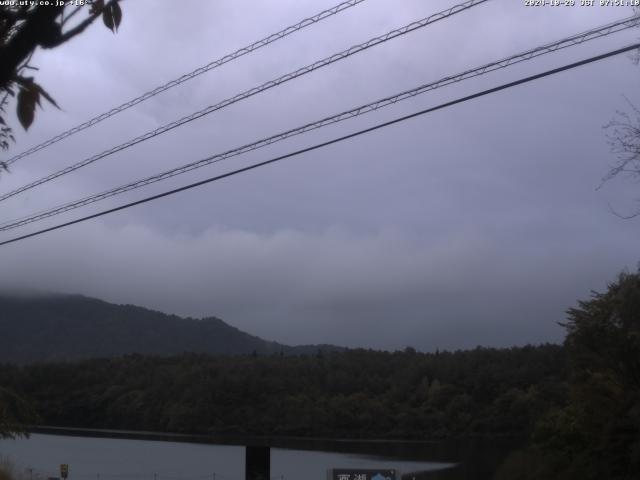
{"type": "Point", "coordinates": [331, 142]}
{"type": "Point", "coordinates": [198, 71]}
{"type": "Point", "coordinates": [345, 115]}
{"type": "Point", "coordinates": [336, 57]}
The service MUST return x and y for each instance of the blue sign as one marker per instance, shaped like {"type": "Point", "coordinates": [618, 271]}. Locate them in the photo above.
{"type": "Point", "coordinates": [361, 474]}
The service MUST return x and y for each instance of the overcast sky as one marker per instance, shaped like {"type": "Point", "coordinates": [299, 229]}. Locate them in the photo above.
{"type": "Point", "coordinates": [475, 225]}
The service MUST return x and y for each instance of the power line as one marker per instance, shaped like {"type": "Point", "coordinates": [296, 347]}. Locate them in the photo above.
{"type": "Point", "coordinates": [329, 142]}
{"type": "Point", "coordinates": [254, 91]}
{"type": "Point", "coordinates": [573, 40]}
{"type": "Point", "coordinates": [198, 71]}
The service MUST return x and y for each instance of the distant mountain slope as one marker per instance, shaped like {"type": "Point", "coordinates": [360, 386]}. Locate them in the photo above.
{"type": "Point", "coordinates": [69, 327]}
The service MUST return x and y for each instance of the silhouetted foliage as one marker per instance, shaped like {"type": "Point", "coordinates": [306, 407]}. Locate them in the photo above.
{"type": "Point", "coordinates": [623, 135]}
{"type": "Point", "coordinates": [25, 26]}
{"type": "Point", "coordinates": [597, 434]}
{"type": "Point", "coordinates": [15, 413]}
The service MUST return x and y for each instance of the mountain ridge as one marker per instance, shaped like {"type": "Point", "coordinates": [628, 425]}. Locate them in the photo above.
{"type": "Point", "coordinates": [65, 327]}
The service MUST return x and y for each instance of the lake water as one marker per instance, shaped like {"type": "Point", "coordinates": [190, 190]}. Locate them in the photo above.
{"type": "Point", "coordinates": [39, 457]}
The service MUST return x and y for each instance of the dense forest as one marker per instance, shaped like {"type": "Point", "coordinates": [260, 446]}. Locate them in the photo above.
{"type": "Point", "coordinates": [356, 393]}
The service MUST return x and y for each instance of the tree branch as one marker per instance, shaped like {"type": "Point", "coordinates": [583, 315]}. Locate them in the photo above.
{"type": "Point", "coordinates": [624, 217]}
{"type": "Point", "coordinates": [68, 17]}
{"type": "Point", "coordinates": [84, 24]}
{"type": "Point", "coordinates": [36, 29]}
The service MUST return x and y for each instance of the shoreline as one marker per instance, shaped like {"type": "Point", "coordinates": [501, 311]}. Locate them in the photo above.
{"type": "Point", "coordinates": [221, 439]}
{"type": "Point", "coordinates": [433, 450]}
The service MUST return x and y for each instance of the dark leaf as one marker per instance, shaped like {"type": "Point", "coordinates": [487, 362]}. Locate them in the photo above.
{"type": "Point", "coordinates": [112, 16]}
{"type": "Point", "coordinates": [45, 95]}
{"type": "Point", "coordinates": [117, 14]}
{"type": "Point", "coordinates": [27, 100]}
{"type": "Point", "coordinates": [2, 121]}
{"type": "Point", "coordinates": [107, 18]}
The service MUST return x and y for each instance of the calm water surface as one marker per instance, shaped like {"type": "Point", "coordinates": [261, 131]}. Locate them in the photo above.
{"type": "Point", "coordinates": [39, 457]}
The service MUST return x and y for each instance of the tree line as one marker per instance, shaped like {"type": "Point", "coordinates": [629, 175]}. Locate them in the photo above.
{"type": "Point", "coordinates": [356, 393]}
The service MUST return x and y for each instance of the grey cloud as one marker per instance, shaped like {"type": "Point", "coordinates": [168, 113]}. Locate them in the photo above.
{"type": "Point", "coordinates": [382, 290]}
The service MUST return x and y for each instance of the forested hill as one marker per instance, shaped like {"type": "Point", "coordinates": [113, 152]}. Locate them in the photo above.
{"type": "Point", "coordinates": [71, 327]}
